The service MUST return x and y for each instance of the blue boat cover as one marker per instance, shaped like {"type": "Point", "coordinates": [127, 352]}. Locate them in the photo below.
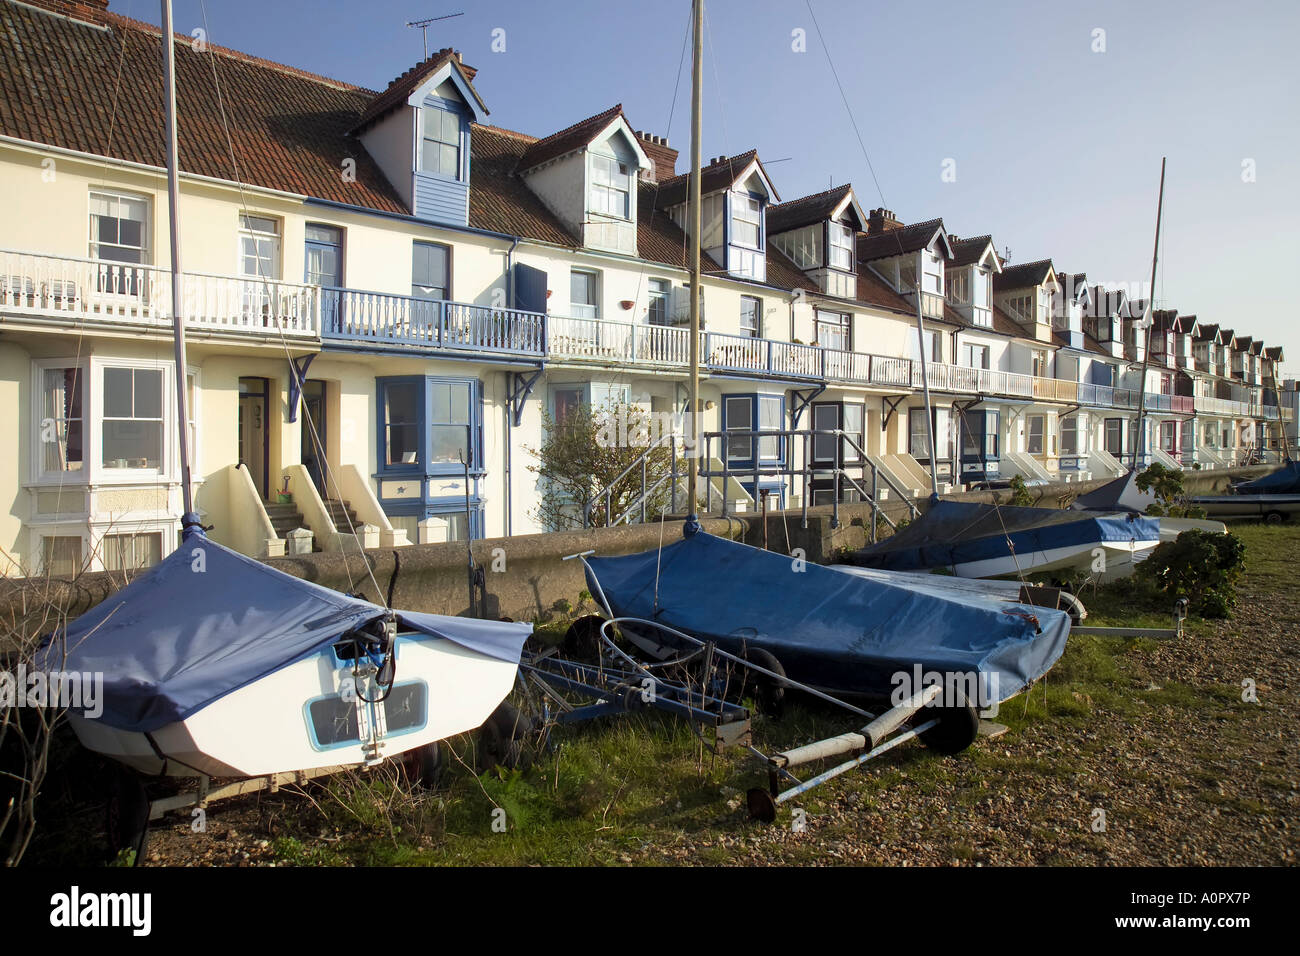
{"type": "Point", "coordinates": [207, 620]}
{"type": "Point", "coordinates": [831, 630]}
{"type": "Point", "coordinates": [957, 532]}
{"type": "Point", "coordinates": [1284, 481]}
{"type": "Point", "coordinates": [1122, 494]}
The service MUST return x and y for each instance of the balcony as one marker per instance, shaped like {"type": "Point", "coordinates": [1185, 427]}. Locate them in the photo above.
{"type": "Point", "coordinates": [380, 319]}
{"type": "Point", "coordinates": [1177, 404]}
{"type": "Point", "coordinates": [61, 290]}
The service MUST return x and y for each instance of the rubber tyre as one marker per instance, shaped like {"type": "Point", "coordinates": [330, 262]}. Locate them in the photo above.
{"type": "Point", "coordinates": [501, 740]}
{"type": "Point", "coordinates": [957, 728]}
{"type": "Point", "coordinates": [126, 813]}
{"type": "Point", "coordinates": [424, 766]}
{"type": "Point", "coordinates": [769, 694]}
{"type": "Point", "coordinates": [1274, 517]}
{"type": "Point", "coordinates": [582, 640]}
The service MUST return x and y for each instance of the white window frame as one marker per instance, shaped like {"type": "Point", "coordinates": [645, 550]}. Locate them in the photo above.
{"type": "Point", "coordinates": [38, 473]}
{"type": "Point", "coordinates": [146, 249]}
{"type": "Point", "coordinates": [248, 232]}
{"type": "Point", "coordinates": [752, 209]}
{"type": "Point", "coordinates": [616, 182]}
{"type": "Point", "coordinates": [575, 307]}
{"type": "Point", "coordinates": [840, 247]}
{"type": "Point", "coordinates": [660, 290]}
{"type": "Point", "coordinates": [757, 330]}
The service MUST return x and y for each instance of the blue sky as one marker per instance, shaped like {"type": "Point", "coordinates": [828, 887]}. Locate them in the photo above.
{"type": "Point", "coordinates": [1056, 148]}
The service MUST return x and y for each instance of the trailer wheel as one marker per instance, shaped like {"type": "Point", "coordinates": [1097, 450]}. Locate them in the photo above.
{"type": "Point", "coordinates": [762, 805]}
{"type": "Point", "coordinates": [126, 813]}
{"type": "Point", "coordinates": [956, 730]}
{"type": "Point", "coordinates": [502, 740]}
{"type": "Point", "coordinates": [769, 693]}
{"type": "Point", "coordinates": [424, 766]}
{"type": "Point", "coordinates": [582, 639]}
{"type": "Point", "coordinates": [1274, 517]}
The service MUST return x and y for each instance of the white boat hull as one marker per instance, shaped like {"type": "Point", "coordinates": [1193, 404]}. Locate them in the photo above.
{"type": "Point", "coordinates": [1118, 560]}
{"type": "Point", "coordinates": [301, 717]}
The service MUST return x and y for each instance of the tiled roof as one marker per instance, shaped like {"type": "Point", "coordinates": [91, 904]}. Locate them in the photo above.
{"type": "Point", "coordinates": [875, 291]}
{"type": "Point", "coordinates": [1076, 282]}
{"type": "Point", "coordinates": [720, 174]}
{"type": "Point", "coordinates": [400, 90]}
{"type": "Point", "coordinates": [567, 140]}
{"type": "Point", "coordinates": [1273, 352]}
{"type": "Point", "coordinates": [288, 129]}
{"type": "Point", "coordinates": [499, 201]}
{"type": "Point", "coordinates": [895, 242]}
{"type": "Point", "coordinates": [966, 252]}
{"type": "Point", "coordinates": [1023, 275]}
{"type": "Point", "coordinates": [806, 210]}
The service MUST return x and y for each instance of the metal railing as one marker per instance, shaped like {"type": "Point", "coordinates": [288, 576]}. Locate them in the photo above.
{"type": "Point", "coordinates": [388, 319]}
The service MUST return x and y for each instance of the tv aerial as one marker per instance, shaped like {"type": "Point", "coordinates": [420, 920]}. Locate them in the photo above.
{"type": "Point", "coordinates": [423, 26]}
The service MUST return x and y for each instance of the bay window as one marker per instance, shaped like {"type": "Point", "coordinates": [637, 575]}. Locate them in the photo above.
{"type": "Point", "coordinates": [1035, 443]}
{"type": "Point", "coordinates": [918, 437]}
{"type": "Point", "coordinates": [746, 221]}
{"type": "Point", "coordinates": [130, 552]}
{"type": "Point", "coordinates": [1070, 435]}
{"type": "Point", "coordinates": [427, 424]}
{"type": "Point", "coordinates": [132, 425]}
{"type": "Point", "coordinates": [841, 247]}
{"type": "Point", "coordinates": [834, 330]}
{"type": "Point", "coordinates": [746, 414]}
{"type": "Point", "coordinates": [61, 433]}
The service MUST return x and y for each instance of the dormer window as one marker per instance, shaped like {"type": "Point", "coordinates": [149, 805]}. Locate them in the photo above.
{"type": "Point", "coordinates": [841, 247]}
{"type": "Point", "coordinates": [932, 269]}
{"type": "Point", "coordinates": [611, 187]}
{"type": "Point", "coordinates": [747, 221]}
{"type": "Point", "coordinates": [440, 151]}
{"type": "Point", "coordinates": [982, 313]}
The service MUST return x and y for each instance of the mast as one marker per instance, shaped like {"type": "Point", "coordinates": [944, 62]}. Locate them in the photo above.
{"type": "Point", "coordinates": [925, 384]}
{"type": "Point", "coordinates": [189, 520]}
{"type": "Point", "coordinates": [1149, 321]}
{"type": "Point", "coordinates": [697, 108]}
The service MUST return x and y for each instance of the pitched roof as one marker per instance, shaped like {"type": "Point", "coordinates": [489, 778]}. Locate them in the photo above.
{"type": "Point", "coordinates": [1273, 352]}
{"type": "Point", "coordinates": [567, 140]}
{"type": "Point", "coordinates": [400, 89]}
{"type": "Point", "coordinates": [967, 252]}
{"type": "Point", "coordinates": [893, 242]}
{"type": "Point", "coordinates": [288, 128]}
{"type": "Point", "coordinates": [499, 200]}
{"type": "Point", "coordinates": [1023, 275]}
{"type": "Point", "coordinates": [806, 210]}
{"type": "Point", "coordinates": [722, 173]}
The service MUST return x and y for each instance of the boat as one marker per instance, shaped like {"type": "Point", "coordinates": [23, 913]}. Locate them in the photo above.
{"type": "Point", "coordinates": [977, 540]}
{"type": "Point", "coordinates": [840, 633]}
{"type": "Point", "coordinates": [214, 664]}
{"type": "Point", "coordinates": [1273, 497]}
{"type": "Point", "coordinates": [1123, 494]}
{"type": "Point", "coordinates": [1010, 592]}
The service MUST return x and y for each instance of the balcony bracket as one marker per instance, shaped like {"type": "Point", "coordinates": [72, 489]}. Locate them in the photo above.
{"type": "Point", "coordinates": [801, 401]}
{"type": "Point", "coordinates": [889, 405]}
{"type": "Point", "coordinates": [520, 388]}
{"type": "Point", "coordinates": [297, 375]}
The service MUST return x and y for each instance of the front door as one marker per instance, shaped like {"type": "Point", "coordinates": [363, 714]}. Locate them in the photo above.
{"type": "Point", "coordinates": [253, 431]}
{"type": "Point", "coordinates": [315, 435]}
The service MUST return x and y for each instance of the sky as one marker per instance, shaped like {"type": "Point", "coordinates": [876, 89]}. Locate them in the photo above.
{"type": "Point", "coordinates": [1042, 123]}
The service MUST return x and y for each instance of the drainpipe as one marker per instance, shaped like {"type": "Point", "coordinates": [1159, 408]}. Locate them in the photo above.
{"type": "Point", "coordinates": [510, 422]}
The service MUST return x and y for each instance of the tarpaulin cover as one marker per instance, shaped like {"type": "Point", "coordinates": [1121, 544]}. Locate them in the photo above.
{"type": "Point", "coordinates": [206, 621]}
{"type": "Point", "coordinates": [1122, 494]}
{"type": "Point", "coordinates": [959, 532]}
{"type": "Point", "coordinates": [1284, 481]}
{"type": "Point", "coordinates": [831, 630]}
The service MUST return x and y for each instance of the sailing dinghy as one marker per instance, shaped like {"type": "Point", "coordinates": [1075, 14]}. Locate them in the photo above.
{"type": "Point", "coordinates": [215, 664]}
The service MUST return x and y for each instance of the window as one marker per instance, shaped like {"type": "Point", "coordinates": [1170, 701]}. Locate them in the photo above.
{"type": "Point", "coordinates": [1070, 435]}
{"type": "Point", "coordinates": [62, 420]}
{"type": "Point", "coordinates": [582, 295]}
{"type": "Point", "coordinates": [1021, 307]}
{"type": "Point", "coordinates": [1115, 436]}
{"type": "Point", "coordinates": [568, 401]}
{"type": "Point", "coordinates": [746, 221]}
{"type": "Point", "coordinates": [959, 286]}
{"type": "Point", "coordinates": [119, 228]}
{"type": "Point", "coordinates": [933, 346]}
{"type": "Point", "coordinates": [658, 312]}
{"type": "Point", "coordinates": [983, 282]}
{"type": "Point", "coordinates": [440, 153]}
{"type": "Point", "coordinates": [450, 424]}
{"type": "Point", "coordinates": [739, 412]}
{"type": "Point", "coordinates": [61, 554]}
{"type": "Point", "coordinates": [918, 435]}
{"type": "Point", "coordinates": [841, 247]}
{"type": "Point", "coordinates": [834, 330]}
{"type": "Point", "coordinates": [769, 419]}
{"type": "Point", "coordinates": [975, 356]}
{"type": "Point", "coordinates": [1034, 444]}
{"type": "Point", "coordinates": [324, 255]}
{"type": "Point", "coordinates": [1168, 436]}
{"type": "Point", "coordinates": [854, 425]}
{"type": "Point", "coordinates": [1038, 366]}
{"type": "Point", "coordinates": [130, 552]}
{"type": "Point", "coordinates": [402, 423]}
{"type": "Point", "coordinates": [932, 272]}
{"type": "Point", "coordinates": [751, 311]}
{"type": "Point", "coordinates": [846, 417]}
{"type": "Point", "coordinates": [132, 418]}
{"type": "Point", "coordinates": [611, 187]}
{"type": "Point", "coordinates": [259, 247]}
{"type": "Point", "coordinates": [430, 271]}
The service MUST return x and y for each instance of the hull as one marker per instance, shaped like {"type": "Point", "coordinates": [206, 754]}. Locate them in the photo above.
{"type": "Point", "coordinates": [1119, 560]}
{"type": "Point", "coordinates": [296, 718]}
{"type": "Point", "coordinates": [1246, 506]}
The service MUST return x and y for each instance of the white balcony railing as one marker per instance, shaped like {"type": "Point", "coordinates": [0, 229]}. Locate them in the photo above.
{"type": "Point", "coordinates": [97, 292]}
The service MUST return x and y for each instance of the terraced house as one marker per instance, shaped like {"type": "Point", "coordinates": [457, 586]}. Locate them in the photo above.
{"type": "Point", "coordinates": [386, 297]}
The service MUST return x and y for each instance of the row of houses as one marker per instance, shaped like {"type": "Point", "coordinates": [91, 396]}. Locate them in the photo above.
{"type": "Point", "coordinates": [386, 297]}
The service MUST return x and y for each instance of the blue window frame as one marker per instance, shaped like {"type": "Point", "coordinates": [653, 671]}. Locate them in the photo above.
{"type": "Point", "coordinates": [753, 412]}
{"type": "Point", "coordinates": [426, 423]}
{"type": "Point", "coordinates": [442, 139]}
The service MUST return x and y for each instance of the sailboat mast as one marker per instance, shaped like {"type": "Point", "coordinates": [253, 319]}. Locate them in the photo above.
{"type": "Point", "coordinates": [173, 204]}
{"type": "Point", "coordinates": [697, 108]}
{"type": "Point", "coordinates": [1150, 320]}
{"type": "Point", "coordinates": [925, 386]}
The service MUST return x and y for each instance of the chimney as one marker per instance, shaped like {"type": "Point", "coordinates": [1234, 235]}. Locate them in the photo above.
{"type": "Point", "coordinates": [465, 68]}
{"type": "Point", "coordinates": [881, 220]}
{"type": "Point", "coordinates": [86, 11]}
{"type": "Point", "coordinates": [661, 154]}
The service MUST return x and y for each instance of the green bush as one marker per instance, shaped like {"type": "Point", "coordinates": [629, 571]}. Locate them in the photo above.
{"type": "Point", "coordinates": [1202, 566]}
{"type": "Point", "coordinates": [1020, 496]}
{"type": "Point", "coordinates": [1171, 498]}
